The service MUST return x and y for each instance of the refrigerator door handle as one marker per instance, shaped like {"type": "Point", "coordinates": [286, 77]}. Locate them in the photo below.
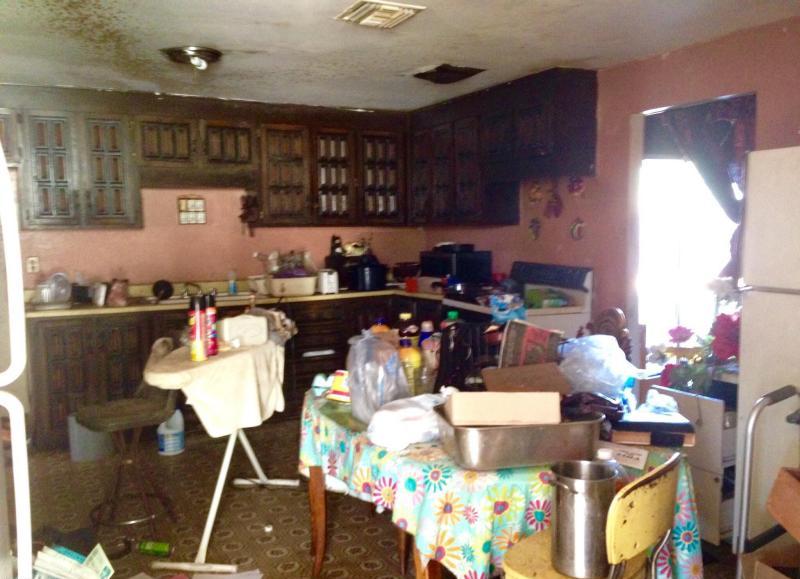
{"type": "Point", "coordinates": [13, 266]}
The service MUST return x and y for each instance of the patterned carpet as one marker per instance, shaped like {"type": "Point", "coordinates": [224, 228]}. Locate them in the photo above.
{"type": "Point", "coordinates": [361, 544]}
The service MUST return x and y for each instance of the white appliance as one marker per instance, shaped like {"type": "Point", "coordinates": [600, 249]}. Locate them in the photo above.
{"type": "Point", "coordinates": [770, 335]}
{"type": "Point", "coordinates": [328, 281]}
{"type": "Point", "coordinates": [12, 365]}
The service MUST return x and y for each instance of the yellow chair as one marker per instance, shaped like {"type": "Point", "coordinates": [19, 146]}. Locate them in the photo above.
{"type": "Point", "coordinates": [640, 516]}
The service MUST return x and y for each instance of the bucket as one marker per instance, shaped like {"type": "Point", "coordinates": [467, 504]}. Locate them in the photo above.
{"type": "Point", "coordinates": [170, 435]}
{"type": "Point", "coordinates": [584, 491]}
{"type": "Point", "coordinates": [85, 444]}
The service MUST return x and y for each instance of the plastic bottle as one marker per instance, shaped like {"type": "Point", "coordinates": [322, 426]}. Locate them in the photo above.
{"type": "Point", "coordinates": [212, 344]}
{"type": "Point", "coordinates": [411, 360]}
{"type": "Point", "coordinates": [452, 318]}
{"type": "Point", "coordinates": [379, 326]}
{"type": "Point", "coordinates": [233, 287]}
{"type": "Point", "coordinates": [409, 328]}
{"type": "Point", "coordinates": [426, 331]}
{"type": "Point", "coordinates": [171, 439]}
{"type": "Point", "coordinates": [197, 329]}
{"type": "Point", "coordinates": [620, 474]}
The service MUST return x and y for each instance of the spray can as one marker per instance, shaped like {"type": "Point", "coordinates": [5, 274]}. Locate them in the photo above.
{"type": "Point", "coordinates": [212, 344]}
{"type": "Point", "coordinates": [197, 329]}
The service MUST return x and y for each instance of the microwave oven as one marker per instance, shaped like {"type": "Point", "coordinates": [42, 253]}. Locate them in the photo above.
{"type": "Point", "coordinates": [465, 266]}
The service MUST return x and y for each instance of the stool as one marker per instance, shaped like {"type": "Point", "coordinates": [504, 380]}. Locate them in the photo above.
{"type": "Point", "coordinates": [148, 407]}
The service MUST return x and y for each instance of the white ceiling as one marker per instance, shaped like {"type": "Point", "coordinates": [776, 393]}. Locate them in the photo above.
{"type": "Point", "coordinates": [293, 51]}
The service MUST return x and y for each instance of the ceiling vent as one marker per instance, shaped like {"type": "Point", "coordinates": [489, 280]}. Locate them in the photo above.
{"type": "Point", "coordinates": [378, 14]}
{"type": "Point", "coordinates": [447, 73]}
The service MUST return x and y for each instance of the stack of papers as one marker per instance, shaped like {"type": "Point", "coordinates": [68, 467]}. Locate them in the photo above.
{"type": "Point", "coordinates": [62, 563]}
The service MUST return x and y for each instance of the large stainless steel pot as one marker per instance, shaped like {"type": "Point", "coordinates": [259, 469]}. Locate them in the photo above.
{"type": "Point", "coordinates": [584, 490]}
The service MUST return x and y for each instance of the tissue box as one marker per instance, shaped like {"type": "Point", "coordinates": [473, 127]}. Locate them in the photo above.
{"type": "Point", "coordinates": [248, 330]}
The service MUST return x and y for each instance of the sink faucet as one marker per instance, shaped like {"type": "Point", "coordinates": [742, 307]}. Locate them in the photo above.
{"type": "Point", "coordinates": [190, 284]}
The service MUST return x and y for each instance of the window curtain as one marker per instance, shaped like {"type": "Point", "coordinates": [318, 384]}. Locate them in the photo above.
{"type": "Point", "coordinates": [716, 137]}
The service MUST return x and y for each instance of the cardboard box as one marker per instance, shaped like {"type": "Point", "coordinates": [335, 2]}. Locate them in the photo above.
{"type": "Point", "coordinates": [783, 502]}
{"type": "Point", "coordinates": [779, 559]}
{"type": "Point", "coordinates": [503, 408]}
{"type": "Point", "coordinates": [532, 378]}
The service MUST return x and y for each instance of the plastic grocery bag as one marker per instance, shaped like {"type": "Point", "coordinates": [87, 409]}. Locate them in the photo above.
{"type": "Point", "coordinates": [398, 424]}
{"type": "Point", "coordinates": [597, 364]}
{"type": "Point", "coordinates": [375, 375]}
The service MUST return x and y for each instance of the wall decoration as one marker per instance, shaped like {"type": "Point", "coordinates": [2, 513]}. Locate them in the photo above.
{"type": "Point", "coordinates": [576, 186]}
{"type": "Point", "coordinates": [555, 204]}
{"type": "Point", "coordinates": [191, 210]}
{"type": "Point", "coordinates": [576, 229]}
{"type": "Point", "coordinates": [535, 226]}
{"type": "Point", "coordinates": [540, 189]}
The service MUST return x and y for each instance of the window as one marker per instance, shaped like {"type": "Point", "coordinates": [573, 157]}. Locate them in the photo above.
{"type": "Point", "coordinates": [684, 242]}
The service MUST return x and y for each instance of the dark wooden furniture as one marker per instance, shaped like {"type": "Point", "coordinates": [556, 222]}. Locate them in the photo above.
{"type": "Point", "coordinates": [75, 361]}
{"type": "Point", "coordinates": [611, 322]}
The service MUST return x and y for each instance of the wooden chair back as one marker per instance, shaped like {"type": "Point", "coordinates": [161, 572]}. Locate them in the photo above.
{"type": "Point", "coordinates": [612, 322]}
{"type": "Point", "coordinates": [642, 512]}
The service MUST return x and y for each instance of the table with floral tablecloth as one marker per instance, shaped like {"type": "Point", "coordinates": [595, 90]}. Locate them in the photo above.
{"type": "Point", "coordinates": [466, 520]}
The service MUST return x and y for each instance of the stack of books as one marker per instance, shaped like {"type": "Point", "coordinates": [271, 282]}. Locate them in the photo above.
{"type": "Point", "coordinates": [644, 428]}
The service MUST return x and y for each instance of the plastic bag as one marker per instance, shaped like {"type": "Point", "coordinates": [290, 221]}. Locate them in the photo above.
{"type": "Point", "coordinates": [375, 375]}
{"type": "Point", "coordinates": [398, 424]}
{"type": "Point", "coordinates": [597, 364]}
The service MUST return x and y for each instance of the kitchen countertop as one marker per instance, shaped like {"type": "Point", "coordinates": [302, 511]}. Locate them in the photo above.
{"type": "Point", "coordinates": [140, 305]}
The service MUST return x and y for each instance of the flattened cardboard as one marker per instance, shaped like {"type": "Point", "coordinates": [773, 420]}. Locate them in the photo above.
{"type": "Point", "coordinates": [503, 408]}
{"type": "Point", "coordinates": [545, 377]}
{"type": "Point", "coordinates": [783, 502]}
{"type": "Point", "coordinates": [782, 553]}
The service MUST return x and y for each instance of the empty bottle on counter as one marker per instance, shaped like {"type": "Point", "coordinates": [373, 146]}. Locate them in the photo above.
{"type": "Point", "coordinates": [426, 331]}
{"type": "Point", "coordinates": [197, 328]}
{"type": "Point", "coordinates": [212, 344]}
{"type": "Point", "coordinates": [452, 318]}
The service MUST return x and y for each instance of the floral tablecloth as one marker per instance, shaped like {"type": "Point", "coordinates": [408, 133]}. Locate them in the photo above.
{"type": "Point", "coordinates": [464, 519]}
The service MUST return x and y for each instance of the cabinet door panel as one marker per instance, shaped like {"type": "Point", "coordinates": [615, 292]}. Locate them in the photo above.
{"type": "Point", "coordinates": [111, 197]}
{"type": "Point", "coordinates": [167, 142]}
{"type": "Point", "coordinates": [421, 176]}
{"type": "Point", "coordinates": [333, 177]}
{"type": "Point", "coordinates": [442, 200]}
{"type": "Point", "coordinates": [52, 199]}
{"type": "Point", "coordinates": [285, 195]}
{"type": "Point", "coordinates": [381, 168]}
{"type": "Point", "coordinates": [467, 169]}
{"type": "Point", "coordinates": [9, 135]}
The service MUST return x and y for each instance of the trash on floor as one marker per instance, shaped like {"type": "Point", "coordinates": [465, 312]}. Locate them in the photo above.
{"type": "Point", "coordinates": [62, 563]}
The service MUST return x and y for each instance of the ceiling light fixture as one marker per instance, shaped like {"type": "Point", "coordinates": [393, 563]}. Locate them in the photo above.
{"type": "Point", "coordinates": [198, 56]}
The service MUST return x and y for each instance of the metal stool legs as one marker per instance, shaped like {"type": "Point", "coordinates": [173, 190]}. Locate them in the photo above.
{"type": "Point", "coordinates": [105, 514]}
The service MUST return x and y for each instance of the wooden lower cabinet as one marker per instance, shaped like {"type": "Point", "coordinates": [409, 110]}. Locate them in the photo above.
{"type": "Point", "coordinates": [86, 360]}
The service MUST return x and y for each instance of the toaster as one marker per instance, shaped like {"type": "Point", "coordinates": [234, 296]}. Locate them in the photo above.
{"type": "Point", "coordinates": [327, 281]}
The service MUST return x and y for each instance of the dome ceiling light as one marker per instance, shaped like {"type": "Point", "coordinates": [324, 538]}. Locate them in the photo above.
{"type": "Point", "coordinates": [198, 56]}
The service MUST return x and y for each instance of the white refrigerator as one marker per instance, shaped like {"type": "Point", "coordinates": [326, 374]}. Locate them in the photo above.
{"type": "Point", "coordinates": [770, 334]}
{"type": "Point", "coordinates": [12, 365]}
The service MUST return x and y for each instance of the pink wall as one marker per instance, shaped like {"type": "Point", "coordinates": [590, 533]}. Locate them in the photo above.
{"type": "Point", "coordinates": [164, 249]}
{"type": "Point", "coordinates": [764, 60]}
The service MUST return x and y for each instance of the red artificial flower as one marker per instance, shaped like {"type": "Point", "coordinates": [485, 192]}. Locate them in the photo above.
{"type": "Point", "coordinates": [725, 331]}
{"type": "Point", "coordinates": [663, 380]}
{"type": "Point", "coordinates": [680, 334]}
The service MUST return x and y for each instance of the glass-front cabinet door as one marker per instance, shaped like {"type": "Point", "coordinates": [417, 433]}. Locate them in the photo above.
{"type": "Point", "coordinates": [334, 199]}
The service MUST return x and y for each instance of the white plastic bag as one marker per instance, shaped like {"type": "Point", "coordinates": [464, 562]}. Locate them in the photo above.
{"type": "Point", "coordinates": [401, 423]}
{"type": "Point", "coordinates": [375, 375]}
{"type": "Point", "coordinates": [597, 364]}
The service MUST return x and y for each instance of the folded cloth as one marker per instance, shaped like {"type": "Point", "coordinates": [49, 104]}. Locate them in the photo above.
{"type": "Point", "coordinates": [403, 422]}
{"type": "Point", "coordinates": [235, 389]}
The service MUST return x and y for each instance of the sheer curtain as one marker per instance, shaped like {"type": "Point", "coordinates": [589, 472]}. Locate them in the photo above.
{"type": "Point", "coordinates": [683, 244]}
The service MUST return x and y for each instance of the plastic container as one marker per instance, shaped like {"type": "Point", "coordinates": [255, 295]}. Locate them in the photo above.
{"type": "Point", "coordinates": [171, 438]}
{"type": "Point", "coordinates": [452, 318]}
{"type": "Point", "coordinates": [408, 328]}
{"type": "Point", "coordinates": [293, 286]}
{"type": "Point", "coordinates": [426, 331]}
{"type": "Point", "coordinates": [606, 455]}
{"type": "Point", "coordinates": [379, 326]}
{"type": "Point", "coordinates": [233, 286]}
{"type": "Point", "coordinates": [86, 445]}
{"type": "Point", "coordinates": [411, 360]}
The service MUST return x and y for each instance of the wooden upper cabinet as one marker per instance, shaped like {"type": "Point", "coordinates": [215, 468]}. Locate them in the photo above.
{"type": "Point", "coordinates": [167, 141]}
{"type": "Point", "coordinates": [442, 199]}
{"type": "Point", "coordinates": [382, 178]}
{"type": "Point", "coordinates": [10, 135]}
{"type": "Point", "coordinates": [421, 176]}
{"type": "Point", "coordinates": [534, 129]}
{"type": "Point", "coordinates": [497, 137]}
{"type": "Point", "coordinates": [285, 172]}
{"type": "Point", "coordinates": [228, 143]}
{"type": "Point", "coordinates": [467, 168]}
{"type": "Point", "coordinates": [333, 177]}
{"type": "Point", "coordinates": [111, 196]}
{"type": "Point", "coordinates": [51, 188]}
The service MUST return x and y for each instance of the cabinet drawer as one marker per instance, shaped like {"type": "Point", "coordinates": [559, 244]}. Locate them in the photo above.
{"type": "Point", "coordinates": [311, 313]}
{"type": "Point", "coordinates": [311, 340]}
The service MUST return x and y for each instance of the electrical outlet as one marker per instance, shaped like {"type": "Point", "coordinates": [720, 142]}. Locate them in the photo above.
{"type": "Point", "coordinates": [32, 265]}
